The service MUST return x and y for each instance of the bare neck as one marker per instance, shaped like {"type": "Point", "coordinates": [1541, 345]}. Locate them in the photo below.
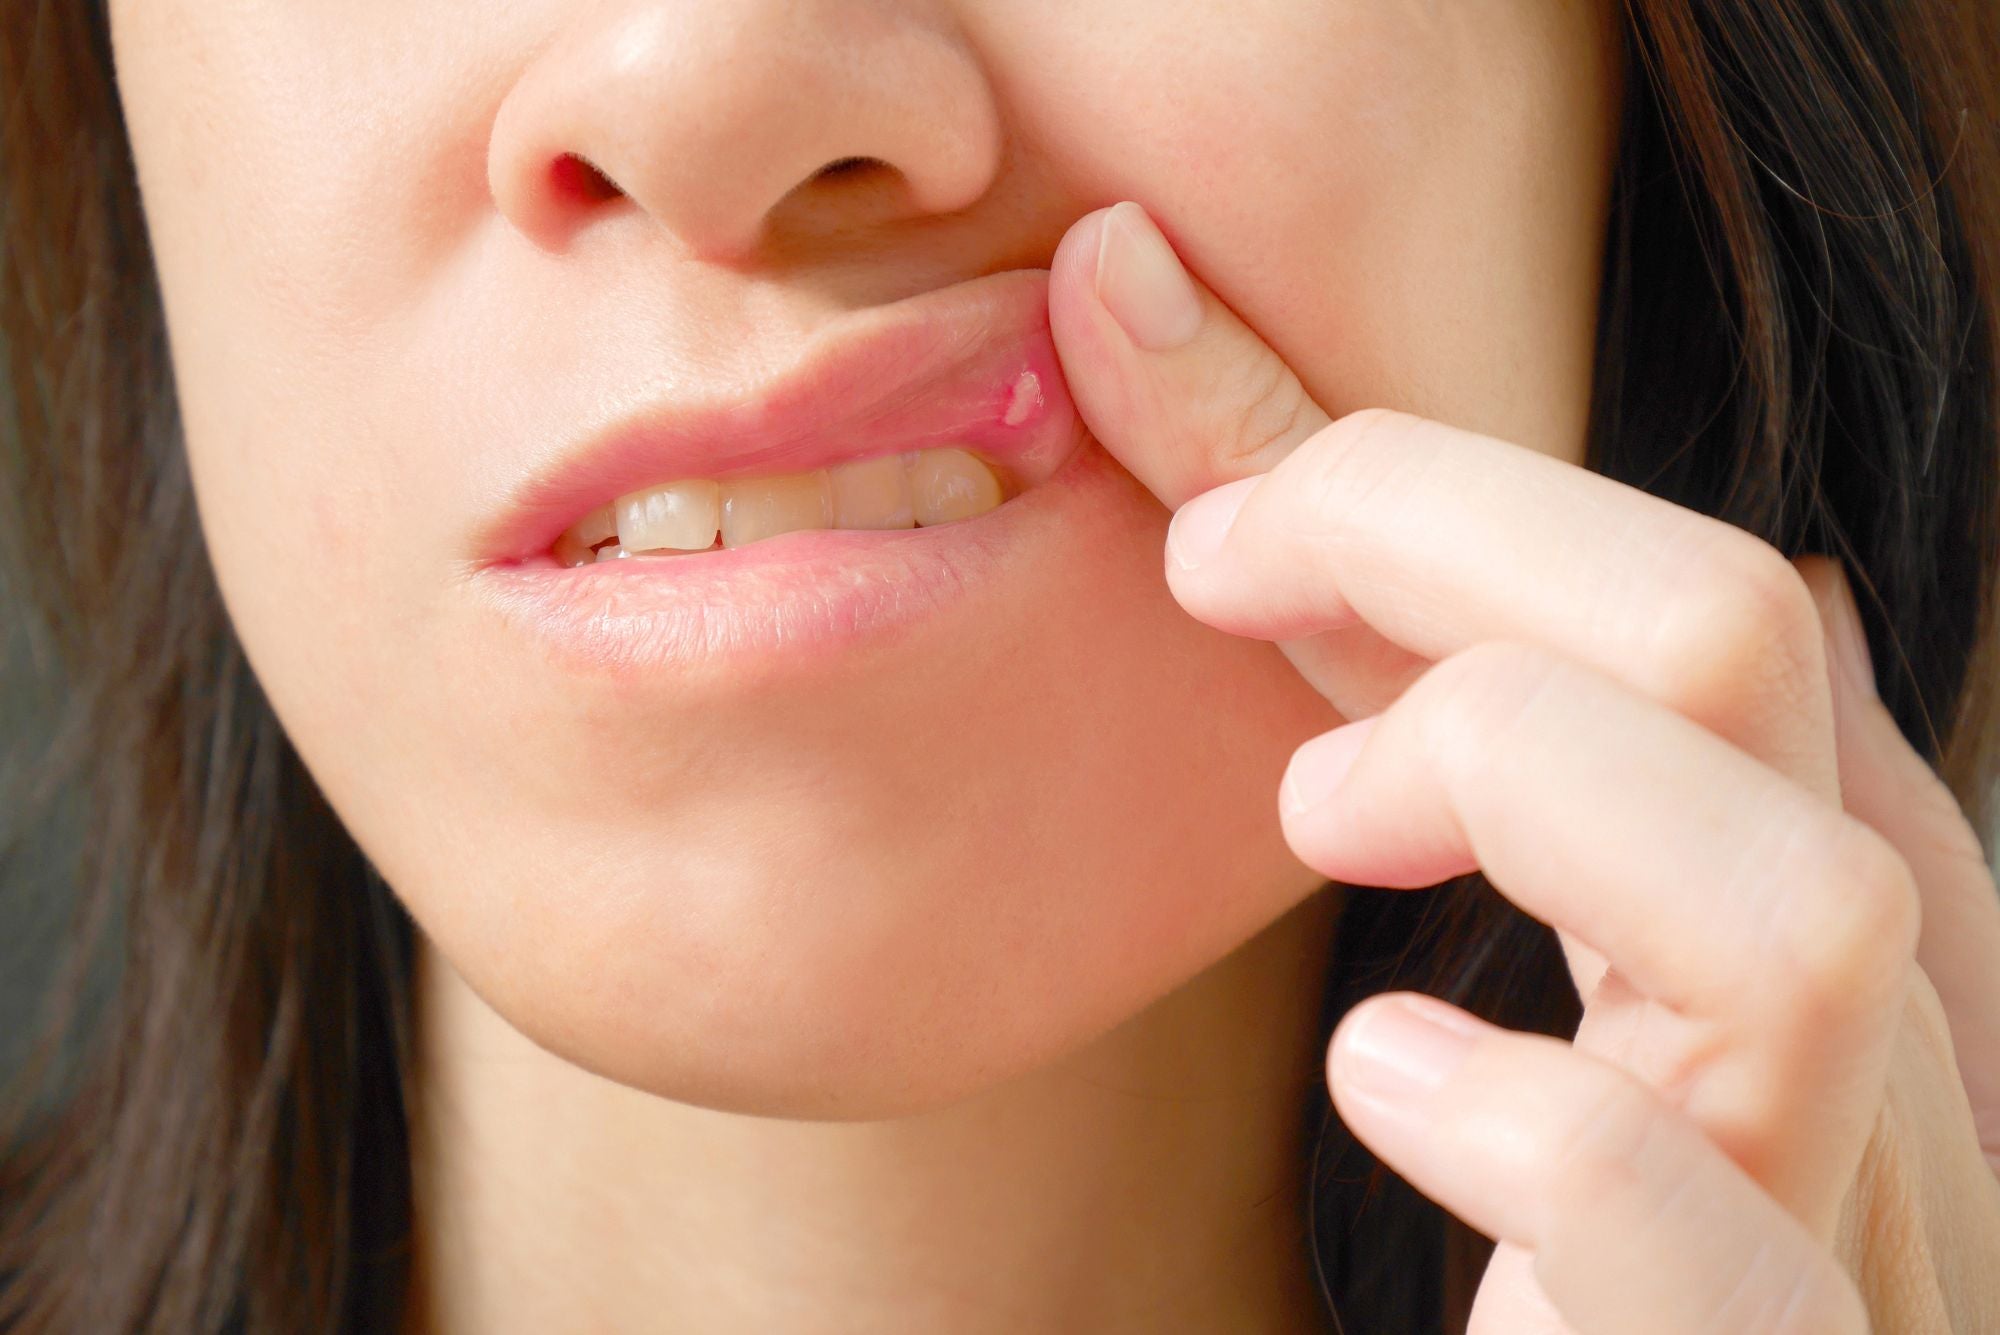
{"type": "Point", "coordinates": [1152, 1181]}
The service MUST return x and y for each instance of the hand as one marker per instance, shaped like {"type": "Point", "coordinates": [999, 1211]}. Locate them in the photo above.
{"type": "Point", "coordinates": [1651, 731]}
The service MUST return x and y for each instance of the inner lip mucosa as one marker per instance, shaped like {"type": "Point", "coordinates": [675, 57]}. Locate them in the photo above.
{"type": "Point", "coordinates": [918, 488]}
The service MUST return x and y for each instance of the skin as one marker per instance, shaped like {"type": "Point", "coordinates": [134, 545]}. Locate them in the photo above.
{"type": "Point", "coordinates": [1779, 1112]}
{"type": "Point", "coordinates": [731, 1013]}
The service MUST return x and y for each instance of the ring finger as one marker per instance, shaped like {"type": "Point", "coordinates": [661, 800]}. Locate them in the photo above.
{"type": "Point", "coordinates": [1780, 925]}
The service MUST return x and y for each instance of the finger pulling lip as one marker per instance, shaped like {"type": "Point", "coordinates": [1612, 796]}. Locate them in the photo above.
{"type": "Point", "coordinates": [972, 365]}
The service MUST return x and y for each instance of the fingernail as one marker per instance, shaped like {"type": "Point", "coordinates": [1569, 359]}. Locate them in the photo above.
{"type": "Point", "coordinates": [1403, 1045]}
{"type": "Point", "coordinates": [1318, 768]}
{"type": "Point", "coordinates": [1141, 282]}
{"type": "Point", "coordinates": [1850, 641]}
{"type": "Point", "coordinates": [1195, 533]}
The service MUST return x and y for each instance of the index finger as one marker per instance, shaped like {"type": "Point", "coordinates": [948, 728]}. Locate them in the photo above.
{"type": "Point", "coordinates": [1431, 536]}
{"type": "Point", "coordinates": [1211, 403]}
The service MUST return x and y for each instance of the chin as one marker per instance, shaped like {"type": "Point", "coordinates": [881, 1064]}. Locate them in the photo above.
{"type": "Point", "coordinates": [812, 985]}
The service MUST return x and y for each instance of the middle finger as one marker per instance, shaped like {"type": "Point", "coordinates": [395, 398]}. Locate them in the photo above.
{"type": "Point", "coordinates": [1439, 538]}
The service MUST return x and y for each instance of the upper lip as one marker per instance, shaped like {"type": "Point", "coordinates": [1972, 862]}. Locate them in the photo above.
{"type": "Point", "coordinates": [930, 369]}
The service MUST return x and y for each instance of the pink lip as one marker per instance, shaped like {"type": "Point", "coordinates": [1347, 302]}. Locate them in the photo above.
{"type": "Point", "coordinates": [971, 365]}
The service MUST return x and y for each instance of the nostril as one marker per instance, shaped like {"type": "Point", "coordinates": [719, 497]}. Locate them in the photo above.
{"type": "Point", "coordinates": [849, 166]}
{"type": "Point", "coordinates": [577, 177]}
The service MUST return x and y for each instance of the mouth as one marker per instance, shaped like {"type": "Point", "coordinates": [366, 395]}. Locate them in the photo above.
{"type": "Point", "coordinates": [932, 410]}
{"type": "Point", "coordinates": [922, 452]}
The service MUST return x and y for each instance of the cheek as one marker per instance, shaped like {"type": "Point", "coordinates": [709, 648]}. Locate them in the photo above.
{"type": "Point", "coordinates": [715, 897]}
{"type": "Point", "coordinates": [872, 892]}
{"type": "Point", "coordinates": [313, 162]}
{"type": "Point", "coordinates": [794, 900]}
{"type": "Point", "coordinates": [1407, 201]}
{"type": "Point", "coordinates": [299, 225]}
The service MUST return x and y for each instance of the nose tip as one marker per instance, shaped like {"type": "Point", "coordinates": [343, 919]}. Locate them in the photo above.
{"type": "Point", "coordinates": [719, 122]}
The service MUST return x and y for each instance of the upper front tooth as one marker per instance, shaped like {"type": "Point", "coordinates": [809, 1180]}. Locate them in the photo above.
{"type": "Point", "coordinates": [683, 516]}
{"type": "Point", "coordinates": [872, 493]}
{"type": "Point", "coordinates": [950, 484]}
{"type": "Point", "coordinates": [933, 486]}
{"type": "Point", "coordinates": [759, 507]}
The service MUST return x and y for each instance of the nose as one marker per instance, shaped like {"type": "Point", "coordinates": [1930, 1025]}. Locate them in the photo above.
{"type": "Point", "coordinates": [716, 117]}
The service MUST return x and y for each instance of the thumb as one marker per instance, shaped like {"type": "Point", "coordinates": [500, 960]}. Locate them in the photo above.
{"type": "Point", "coordinates": [1169, 381]}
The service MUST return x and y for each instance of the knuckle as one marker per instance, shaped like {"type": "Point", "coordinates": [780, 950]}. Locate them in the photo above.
{"type": "Point", "coordinates": [1603, 1151]}
{"type": "Point", "coordinates": [1926, 1026]}
{"type": "Point", "coordinates": [1269, 409]}
{"type": "Point", "coordinates": [1370, 458]}
{"type": "Point", "coordinates": [1941, 833]}
{"type": "Point", "coordinates": [1622, 1154]}
{"type": "Point", "coordinates": [1358, 429]}
{"type": "Point", "coordinates": [1469, 702]}
{"type": "Point", "coordinates": [1740, 623]}
{"type": "Point", "coordinates": [1846, 930]}
{"type": "Point", "coordinates": [1812, 1297]}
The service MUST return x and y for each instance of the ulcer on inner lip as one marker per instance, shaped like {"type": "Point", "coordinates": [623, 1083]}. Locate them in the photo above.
{"type": "Point", "coordinates": [924, 487]}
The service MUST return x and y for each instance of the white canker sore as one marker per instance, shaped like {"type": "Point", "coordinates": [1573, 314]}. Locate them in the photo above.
{"type": "Point", "coordinates": [1022, 401]}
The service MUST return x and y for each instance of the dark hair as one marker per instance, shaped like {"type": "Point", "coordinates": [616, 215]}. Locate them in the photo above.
{"type": "Point", "coordinates": [1796, 335]}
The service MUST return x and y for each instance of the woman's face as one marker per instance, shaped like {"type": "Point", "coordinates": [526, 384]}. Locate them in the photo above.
{"type": "Point", "coordinates": [855, 824]}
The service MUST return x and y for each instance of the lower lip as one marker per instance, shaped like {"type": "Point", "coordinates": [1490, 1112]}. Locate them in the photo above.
{"type": "Point", "coordinates": [787, 602]}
